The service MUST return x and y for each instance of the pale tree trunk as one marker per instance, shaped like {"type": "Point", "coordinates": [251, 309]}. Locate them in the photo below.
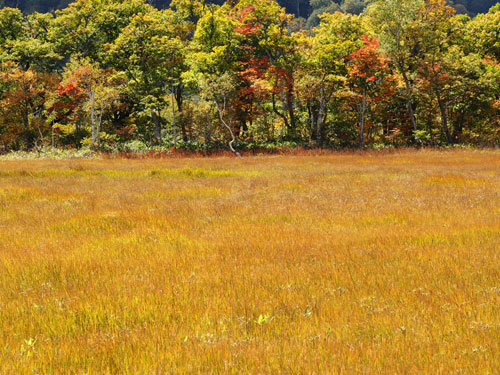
{"type": "Point", "coordinates": [98, 129]}
{"type": "Point", "coordinates": [92, 115]}
{"type": "Point", "coordinates": [42, 139]}
{"type": "Point", "coordinates": [324, 99]}
{"type": "Point", "coordinates": [228, 127]}
{"type": "Point", "coordinates": [362, 111]}
{"type": "Point", "coordinates": [319, 122]}
{"type": "Point", "coordinates": [52, 142]}
{"type": "Point", "coordinates": [174, 126]}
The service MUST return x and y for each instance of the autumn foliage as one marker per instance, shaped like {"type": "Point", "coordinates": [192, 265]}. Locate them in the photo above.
{"type": "Point", "coordinates": [198, 76]}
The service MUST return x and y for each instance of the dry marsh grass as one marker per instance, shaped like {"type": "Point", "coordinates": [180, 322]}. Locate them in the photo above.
{"type": "Point", "coordinates": [332, 264]}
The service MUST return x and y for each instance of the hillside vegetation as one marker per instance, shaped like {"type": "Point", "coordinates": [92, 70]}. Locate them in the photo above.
{"type": "Point", "coordinates": [300, 8]}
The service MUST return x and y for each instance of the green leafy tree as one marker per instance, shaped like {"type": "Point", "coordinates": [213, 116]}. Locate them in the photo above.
{"type": "Point", "coordinates": [151, 56]}
{"type": "Point", "coordinates": [324, 66]}
{"type": "Point", "coordinates": [32, 47]}
{"type": "Point", "coordinates": [11, 26]}
{"type": "Point", "coordinates": [187, 13]}
{"type": "Point", "coordinates": [395, 20]}
{"type": "Point", "coordinates": [483, 33]}
{"type": "Point", "coordinates": [86, 26]}
{"type": "Point", "coordinates": [212, 64]}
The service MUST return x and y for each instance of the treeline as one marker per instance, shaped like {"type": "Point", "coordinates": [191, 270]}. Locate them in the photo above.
{"type": "Point", "coordinates": [123, 75]}
{"type": "Point", "coordinates": [305, 9]}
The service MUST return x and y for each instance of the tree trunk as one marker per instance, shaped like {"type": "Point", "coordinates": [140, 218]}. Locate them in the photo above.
{"type": "Point", "coordinates": [92, 115]}
{"type": "Point", "coordinates": [157, 127]}
{"type": "Point", "coordinates": [275, 110]}
{"type": "Point", "coordinates": [444, 117]}
{"type": "Point", "coordinates": [401, 64]}
{"type": "Point", "coordinates": [52, 135]}
{"type": "Point", "coordinates": [178, 99]}
{"type": "Point", "coordinates": [311, 120]}
{"type": "Point", "coordinates": [459, 126]}
{"type": "Point", "coordinates": [319, 121]}
{"type": "Point", "coordinates": [174, 125]}
{"type": "Point", "coordinates": [409, 101]}
{"type": "Point", "coordinates": [244, 127]}
{"type": "Point", "coordinates": [291, 114]}
{"type": "Point", "coordinates": [228, 127]}
{"type": "Point", "coordinates": [26, 123]}
{"type": "Point", "coordinates": [98, 129]}
{"type": "Point", "coordinates": [183, 128]}
{"type": "Point", "coordinates": [362, 111]}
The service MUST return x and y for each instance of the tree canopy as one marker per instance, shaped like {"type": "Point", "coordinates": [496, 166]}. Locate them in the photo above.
{"type": "Point", "coordinates": [300, 8]}
{"type": "Point", "coordinates": [123, 75]}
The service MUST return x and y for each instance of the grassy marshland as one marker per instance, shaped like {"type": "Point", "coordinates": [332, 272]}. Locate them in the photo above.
{"type": "Point", "coordinates": [340, 264]}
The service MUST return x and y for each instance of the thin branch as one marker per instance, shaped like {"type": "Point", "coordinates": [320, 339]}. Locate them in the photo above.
{"type": "Point", "coordinates": [221, 117]}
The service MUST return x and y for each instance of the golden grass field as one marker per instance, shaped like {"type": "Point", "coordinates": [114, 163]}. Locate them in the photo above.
{"type": "Point", "coordinates": [361, 263]}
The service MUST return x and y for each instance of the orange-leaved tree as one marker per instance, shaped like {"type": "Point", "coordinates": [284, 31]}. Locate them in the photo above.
{"type": "Point", "coordinates": [367, 68]}
{"type": "Point", "coordinates": [22, 101]}
{"type": "Point", "coordinates": [90, 90]}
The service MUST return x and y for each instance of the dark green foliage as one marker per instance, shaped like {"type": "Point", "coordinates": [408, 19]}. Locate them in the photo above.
{"type": "Point", "coordinates": [300, 8]}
